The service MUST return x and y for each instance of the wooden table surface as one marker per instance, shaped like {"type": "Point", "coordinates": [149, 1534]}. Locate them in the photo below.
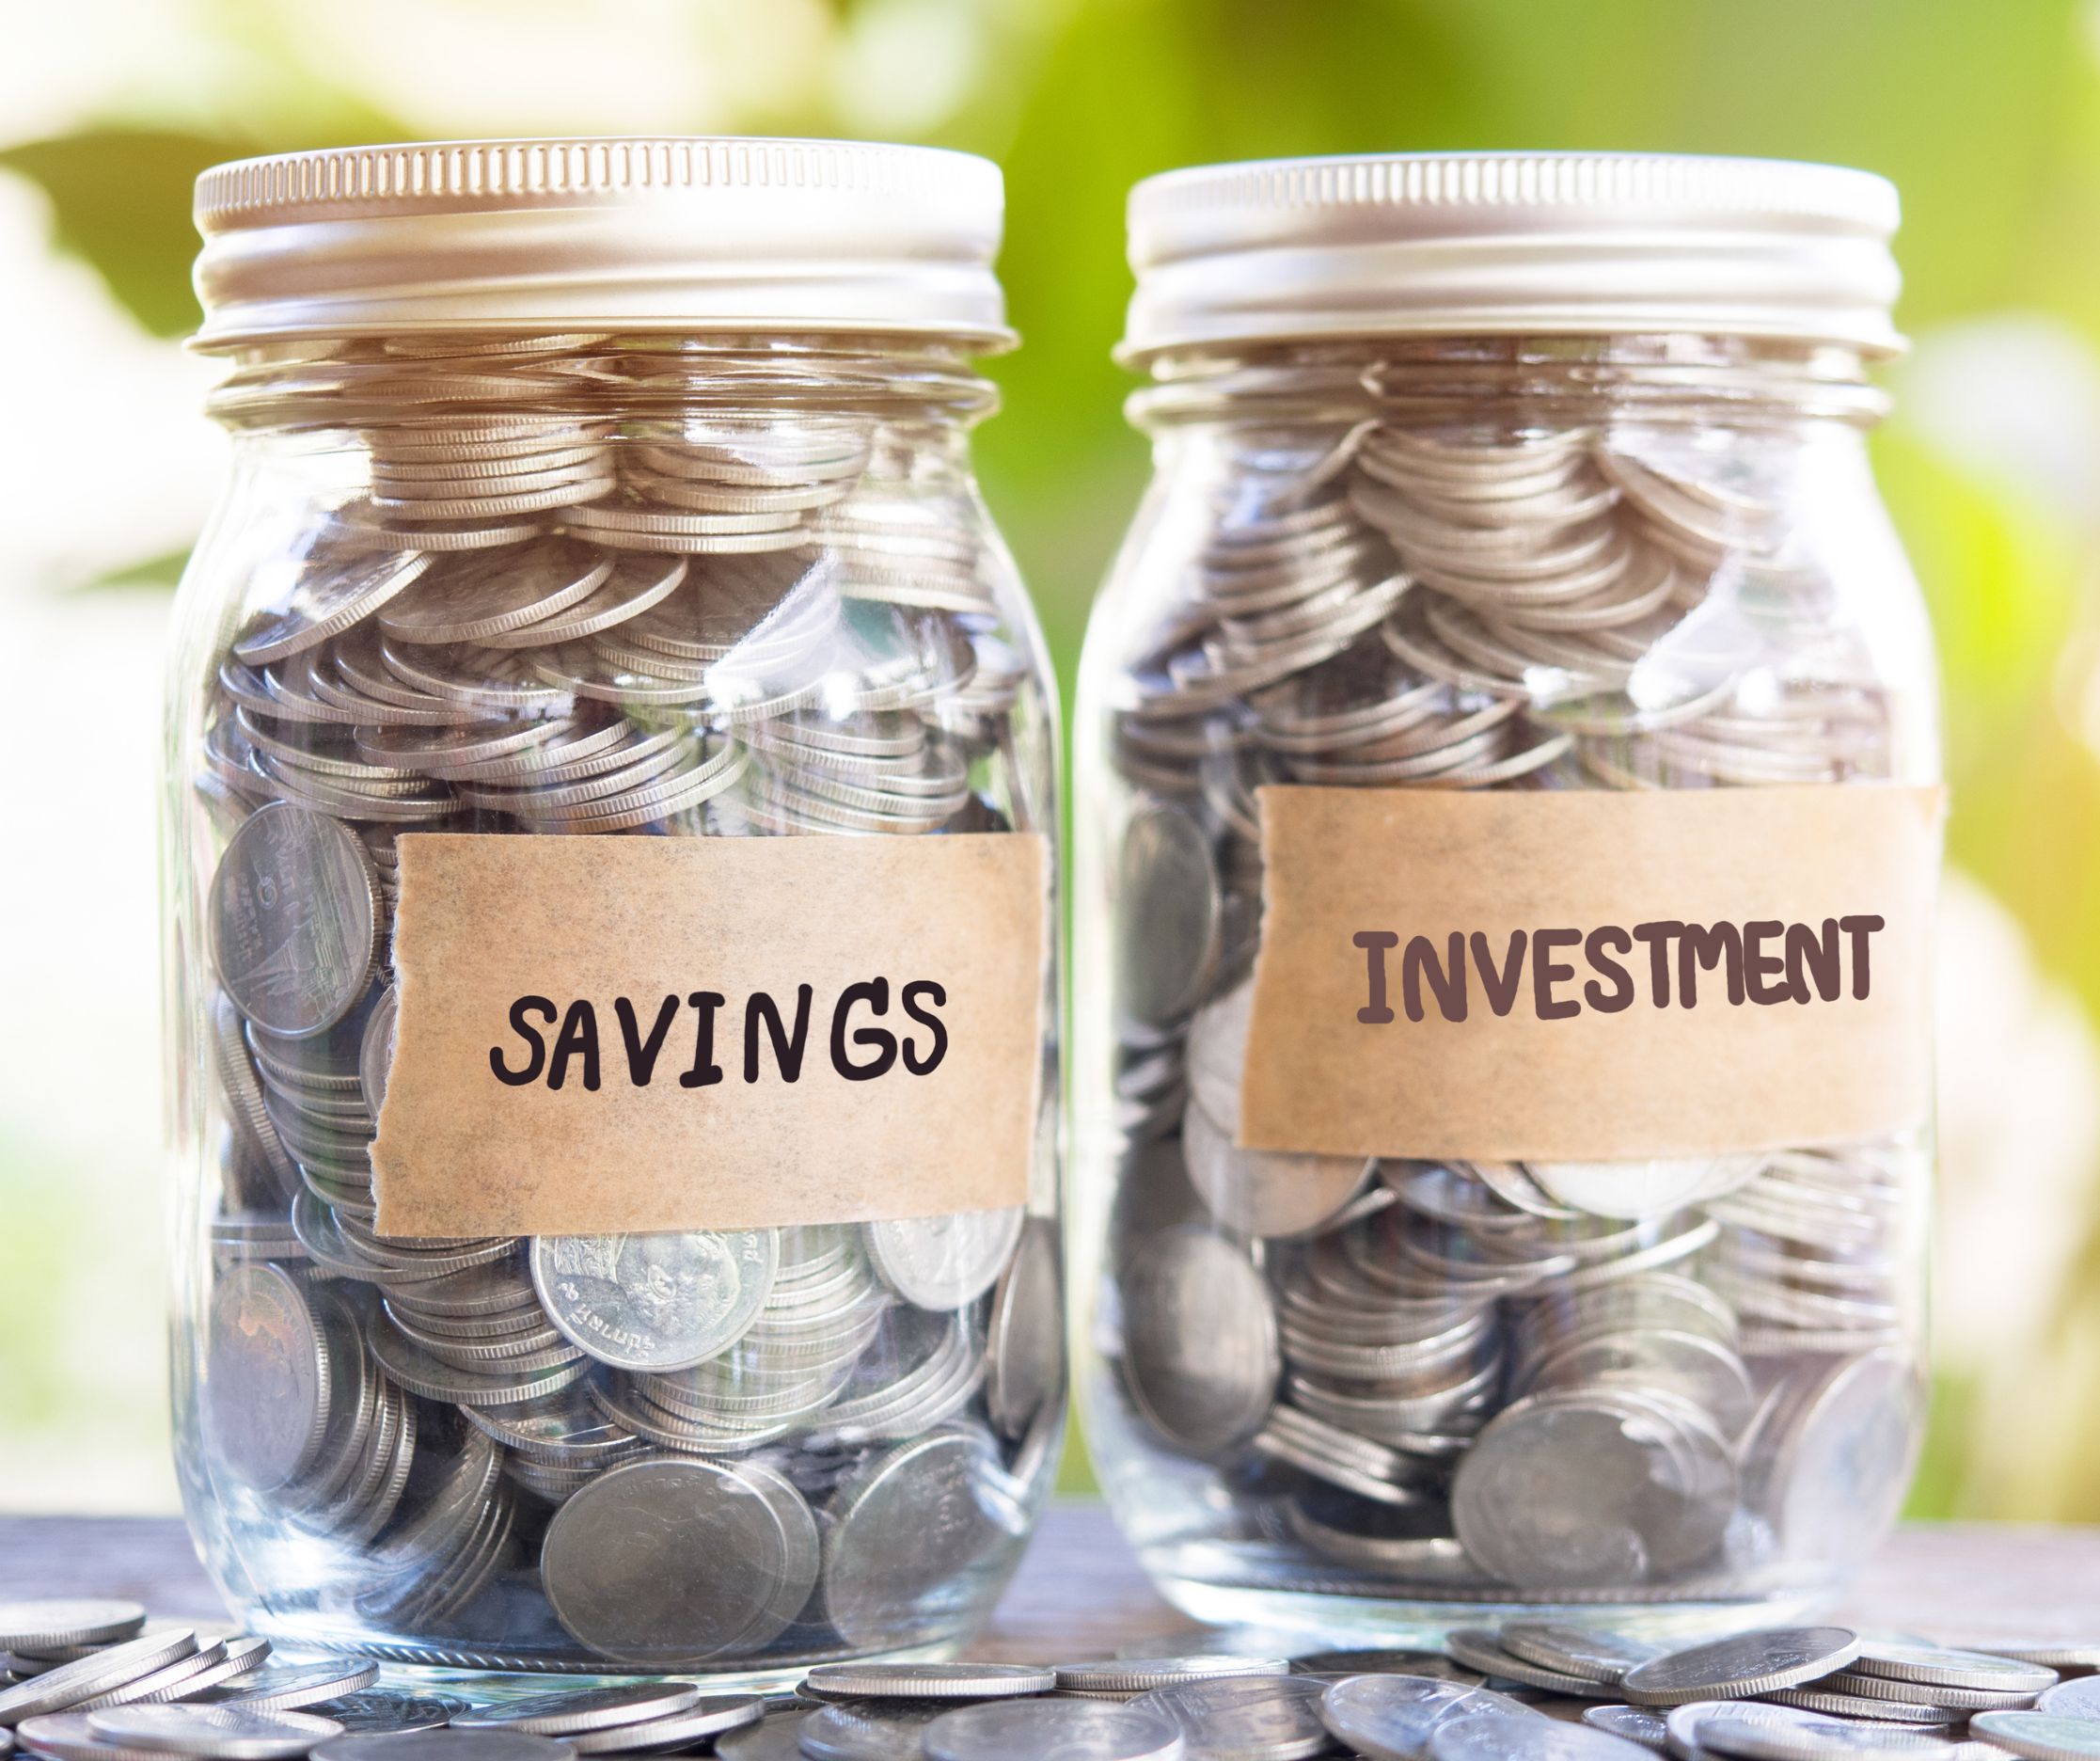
{"type": "Point", "coordinates": [1080, 1593]}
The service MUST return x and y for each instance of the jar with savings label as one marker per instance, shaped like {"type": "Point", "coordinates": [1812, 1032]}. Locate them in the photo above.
{"type": "Point", "coordinates": [1506, 833]}
{"type": "Point", "coordinates": [610, 817]}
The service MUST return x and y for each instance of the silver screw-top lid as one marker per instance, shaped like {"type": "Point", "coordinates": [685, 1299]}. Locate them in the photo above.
{"type": "Point", "coordinates": [1501, 243]}
{"type": "Point", "coordinates": [665, 234]}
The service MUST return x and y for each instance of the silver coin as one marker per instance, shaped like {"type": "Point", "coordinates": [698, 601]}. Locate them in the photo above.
{"type": "Point", "coordinates": [444, 1744]}
{"type": "Point", "coordinates": [911, 1524]}
{"type": "Point", "coordinates": [1585, 1651]}
{"type": "Point", "coordinates": [943, 1262]}
{"type": "Point", "coordinates": [68, 1621]}
{"type": "Point", "coordinates": [655, 1301]}
{"type": "Point", "coordinates": [295, 918]}
{"type": "Point", "coordinates": [1052, 1730]}
{"type": "Point", "coordinates": [1267, 1192]}
{"type": "Point", "coordinates": [1593, 1486]}
{"type": "Point", "coordinates": [1471, 1737]}
{"type": "Point", "coordinates": [1853, 1681]}
{"type": "Point", "coordinates": [1252, 1717]}
{"type": "Point", "coordinates": [1635, 1724]}
{"type": "Point", "coordinates": [1168, 917]}
{"type": "Point", "coordinates": [772, 1738]}
{"type": "Point", "coordinates": [2080, 1698]}
{"type": "Point", "coordinates": [384, 1711]}
{"type": "Point", "coordinates": [1684, 1726]}
{"type": "Point", "coordinates": [1816, 1697]}
{"type": "Point", "coordinates": [1200, 1351]}
{"type": "Point", "coordinates": [1137, 1676]}
{"type": "Point", "coordinates": [1392, 1718]}
{"type": "Point", "coordinates": [567, 1712]}
{"type": "Point", "coordinates": [285, 1687]}
{"type": "Point", "coordinates": [221, 1732]}
{"type": "Point", "coordinates": [875, 1730]}
{"type": "Point", "coordinates": [2040, 1735]}
{"type": "Point", "coordinates": [375, 1051]}
{"type": "Point", "coordinates": [1739, 1668]}
{"type": "Point", "coordinates": [1947, 1668]}
{"type": "Point", "coordinates": [710, 1716]}
{"type": "Point", "coordinates": [1811, 1739]}
{"type": "Point", "coordinates": [269, 1377]}
{"type": "Point", "coordinates": [1476, 1648]}
{"type": "Point", "coordinates": [331, 593]}
{"type": "Point", "coordinates": [1432, 1664]}
{"type": "Point", "coordinates": [928, 1681]}
{"type": "Point", "coordinates": [2057, 1653]}
{"type": "Point", "coordinates": [1024, 1350]}
{"type": "Point", "coordinates": [669, 1562]}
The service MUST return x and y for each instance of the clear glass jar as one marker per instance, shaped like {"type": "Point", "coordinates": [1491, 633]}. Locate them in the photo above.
{"type": "Point", "coordinates": [1369, 1397]}
{"type": "Point", "coordinates": [684, 581]}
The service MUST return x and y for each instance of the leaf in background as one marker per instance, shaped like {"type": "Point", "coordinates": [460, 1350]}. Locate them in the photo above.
{"type": "Point", "coordinates": [121, 199]}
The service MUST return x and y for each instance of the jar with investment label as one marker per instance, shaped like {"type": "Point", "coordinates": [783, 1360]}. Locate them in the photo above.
{"type": "Point", "coordinates": [609, 809]}
{"type": "Point", "coordinates": [1508, 823]}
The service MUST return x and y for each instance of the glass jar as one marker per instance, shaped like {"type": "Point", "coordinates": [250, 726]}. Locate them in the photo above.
{"type": "Point", "coordinates": [1512, 560]}
{"type": "Point", "coordinates": [603, 592]}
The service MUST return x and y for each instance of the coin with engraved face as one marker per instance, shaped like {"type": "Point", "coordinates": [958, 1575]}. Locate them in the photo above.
{"type": "Point", "coordinates": [659, 1301]}
{"type": "Point", "coordinates": [294, 919]}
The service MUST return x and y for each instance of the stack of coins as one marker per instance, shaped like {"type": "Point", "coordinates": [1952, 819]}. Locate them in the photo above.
{"type": "Point", "coordinates": [1441, 1379]}
{"type": "Point", "coordinates": [1526, 1690]}
{"type": "Point", "coordinates": [739, 621]}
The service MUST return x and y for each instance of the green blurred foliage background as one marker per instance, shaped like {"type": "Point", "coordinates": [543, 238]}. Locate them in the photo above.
{"type": "Point", "coordinates": [1985, 112]}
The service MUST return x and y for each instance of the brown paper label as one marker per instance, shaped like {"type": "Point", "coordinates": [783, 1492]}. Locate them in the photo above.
{"type": "Point", "coordinates": [608, 1035]}
{"type": "Point", "coordinates": [1590, 976]}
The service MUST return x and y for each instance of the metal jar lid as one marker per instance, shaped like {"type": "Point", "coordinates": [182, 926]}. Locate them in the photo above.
{"type": "Point", "coordinates": [659, 234]}
{"type": "Point", "coordinates": [1500, 244]}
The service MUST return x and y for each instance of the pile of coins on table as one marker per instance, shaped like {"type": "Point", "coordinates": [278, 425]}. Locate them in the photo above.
{"type": "Point", "coordinates": [643, 1450]}
{"type": "Point", "coordinates": [1447, 1379]}
{"type": "Point", "coordinates": [1530, 1691]}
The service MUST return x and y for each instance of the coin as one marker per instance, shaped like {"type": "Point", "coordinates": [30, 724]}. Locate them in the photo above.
{"type": "Point", "coordinates": [1585, 1651]}
{"type": "Point", "coordinates": [875, 1730]}
{"type": "Point", "coordinates": [773, 1738]}
{"type": "Point", "coordinates": [68, 1621]}
{"type": "Point", "coordinates": [2039, 1736]}
{"type": "Point", "coordinates": [930, 1512]}
{"type": "Point", "coordinates": [1136, 1675]}
{"type": "Point", "coordinates": [1469, 1738]}
{"type": "Point", "coordinates": [384, 1711]}
{"type": "Point", "coordinates": [1245, 1718]}
{"type": "Point", "coordinates": [1051, 1730]}
{"type": "Point", "coordinates": [1200, 1352]}
{"type": "Point", "coordinates": [220, 1732]}
{"type": "Point", "coordinates": [1476, 1648]}
{"type": "Point", "coordinates": [285, 1687]}
{"type": "Point", "coordinates": [654, 1302]}
{"type": "Point", "coordinates": [1754, 1664]}
{"type": "Point", "coordinates": [942, 1263]}
{"type": "Point", "coordinates": [709, 1716]}
{"type": "Point", "coordinates": [1025, 1335]}
{"type": "Point", "coordinates": [1168, 917]}
{"type": "Point", "coordinates": [68, 1683]}
{"type": "Point", "coordinates": [2080, 1698]}
{"type": "Point", "coordinates": [1635, 1724]}
{"type": "Point", "coordinates": [1391, 1718]}
{"type": "Point", "coordinates": [1810, 1739]}
{"type": "Point", "coordinates": [928, 1681]}
{"type": "Point", "coordinates": [668, 1562]}
{"type": "Point", "coordinates": [443, 1745]}
{"type": "Point", "coordinates": [332, 592]}
{"type": "Point", "coordinates": [294, 915]}
{"type": "Point", "coordinates": [1433, 1664]}
{"type": "Point", "coordinates": [568, 1712]}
